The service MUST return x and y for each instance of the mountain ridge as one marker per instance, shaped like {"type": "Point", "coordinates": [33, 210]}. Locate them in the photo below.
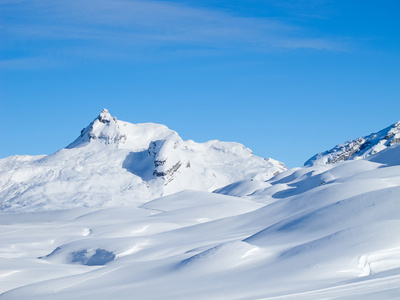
{"type": "Point", "coordinates": [359, 148]}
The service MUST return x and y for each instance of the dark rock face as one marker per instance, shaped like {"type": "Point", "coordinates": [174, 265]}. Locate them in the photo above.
{"type": "Point", "coordinates": [168, 172]}
{"type": "Point", "coordinates": [164, 165]}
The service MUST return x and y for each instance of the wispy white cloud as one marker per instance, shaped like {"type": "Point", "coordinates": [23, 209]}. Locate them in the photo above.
{"type": "Point", "coordinates": [120, 27]}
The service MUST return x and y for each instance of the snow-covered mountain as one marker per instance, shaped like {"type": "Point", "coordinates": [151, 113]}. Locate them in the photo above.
{"type": "Point", "coordinates": [118, 163]}
{"type": "Point", "coordinates": [359, 148]}
{"type": "Point", "coordinates": [318, 232]}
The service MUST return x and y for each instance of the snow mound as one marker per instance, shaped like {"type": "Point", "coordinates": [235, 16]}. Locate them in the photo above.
{"type": "Point", "coordinates": [389, 157]}
{"type": "Point", "coordinates": [359, 148]}
{"type": "Point", "coordinates": [222, 257]}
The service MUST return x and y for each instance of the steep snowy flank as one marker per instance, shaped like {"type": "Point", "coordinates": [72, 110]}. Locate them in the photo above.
{"type": "Point", "coordinates": [118, 163]}
{"type": "Point", "coordinates": [359, 148]}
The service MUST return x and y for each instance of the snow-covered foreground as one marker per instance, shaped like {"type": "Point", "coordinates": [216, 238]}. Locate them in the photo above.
{"type": "Point", "coordinates": [325, 231]}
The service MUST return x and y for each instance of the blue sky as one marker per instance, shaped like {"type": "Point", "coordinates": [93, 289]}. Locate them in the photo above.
{"type": "Point", "coordinates": [287, 79]}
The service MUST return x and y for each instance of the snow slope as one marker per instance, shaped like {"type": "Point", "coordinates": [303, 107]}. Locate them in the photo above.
{"type": "Point", "coordinates": [359, 148]}
{"type": "Point", "coordinates": [115, 163]}
{"type": "Point", "coordinates": [319, 232]}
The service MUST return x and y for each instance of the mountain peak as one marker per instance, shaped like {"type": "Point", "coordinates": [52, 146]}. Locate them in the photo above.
{"type": "Point", "coordinates": [105, 116]}
{"type": "Point", "coordinates": [105, 128]}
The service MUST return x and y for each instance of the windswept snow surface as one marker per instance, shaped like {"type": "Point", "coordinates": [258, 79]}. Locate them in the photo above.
{"type": "Point", "coordinates": [320, 232]}
{"type": "Point", "coordinates": [115, 163]}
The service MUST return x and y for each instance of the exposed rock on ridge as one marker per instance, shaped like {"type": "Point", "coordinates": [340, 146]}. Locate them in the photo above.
{"type": "Point", "coordinates": [104, 127]}
{"type": "Point", "coordinates": [359, 148]}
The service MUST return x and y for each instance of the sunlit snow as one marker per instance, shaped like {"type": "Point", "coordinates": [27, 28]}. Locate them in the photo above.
{"type": "Point", "coordinates": [84, 223]}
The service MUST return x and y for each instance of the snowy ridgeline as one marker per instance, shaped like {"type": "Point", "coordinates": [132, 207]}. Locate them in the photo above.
{"type": "Point", "coordinates": [116, 163]}
{"type": "Point", "coordinates": [359, 148]}
{"type": "Point", "coordinates": [319, 232]}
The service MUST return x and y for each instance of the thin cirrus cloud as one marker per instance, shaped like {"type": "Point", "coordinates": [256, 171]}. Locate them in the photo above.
{"type": "Point", "coordinates": [104, 29]}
